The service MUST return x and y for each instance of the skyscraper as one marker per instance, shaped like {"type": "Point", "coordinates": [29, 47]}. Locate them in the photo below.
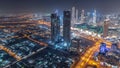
{"type": "Point", "coordinates": [58, 28]}
{"type": "Point", "coordinates": [76, 15]}
{"type": "Point", "coordinates": [105, 28]}
{"type": "Point", "coordinates": [73, 19]}
{"type": "Point", "coordinates": [55, 28]}
{"type": "Point", "coordinates": [82, 17]}
{"type": "Point", "coordinates": [66, 27]}
{"type": "Point", "coordinates": [94, 17]}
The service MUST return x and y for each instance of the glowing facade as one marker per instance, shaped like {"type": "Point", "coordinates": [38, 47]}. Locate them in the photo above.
{"type": "Point", "coordinates": [103, 48]}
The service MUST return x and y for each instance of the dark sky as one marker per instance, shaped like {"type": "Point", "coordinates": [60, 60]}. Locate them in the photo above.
{"type": "Point", "coordinates": [103, 6]}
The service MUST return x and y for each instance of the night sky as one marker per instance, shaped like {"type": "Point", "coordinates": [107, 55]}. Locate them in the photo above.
{"type": "Point", "coordinates": [46, 6]}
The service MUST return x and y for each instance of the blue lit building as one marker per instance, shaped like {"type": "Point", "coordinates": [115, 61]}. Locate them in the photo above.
{"type": "Point", "coordinates": [55, 27]}
{"type": "Point", "coordinates": [66, 27]}
{"type": "Point", "coordinates": [103, 48]}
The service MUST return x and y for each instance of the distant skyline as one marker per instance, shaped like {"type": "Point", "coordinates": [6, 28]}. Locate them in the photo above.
{"type": "Point", "coordinates": [48, 6]}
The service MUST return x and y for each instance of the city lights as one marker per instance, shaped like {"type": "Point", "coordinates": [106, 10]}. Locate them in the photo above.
{"type": "Point", "coordinates": [59, 34]}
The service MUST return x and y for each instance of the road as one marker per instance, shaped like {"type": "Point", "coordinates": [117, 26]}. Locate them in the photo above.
{"type": "Point", "coordinates": [40, 43]}
{"type": "Point", "coordinates": [18, 58]}
{"type": "Point", "coordinates": [87, 58]}
{"type": "Point", "coordinates": [84, 59]}
{"type": "Point", "coordinates": [88, 55]}
{"type": "Point", "coordinates": [10, 52]}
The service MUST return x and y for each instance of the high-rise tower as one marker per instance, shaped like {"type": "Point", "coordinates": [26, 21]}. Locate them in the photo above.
{"type": "Point", "coordinates": [76, 16]}
{"type": "Point", "coordinates": [94, 17]}
{"type": "Point", "coordinates": [73, 19]}
{"type": "Point", "coordinates": [66, 27]}
{"type": "Point", "coordinates": [55, 27]}
{"type": "Point", "coordinates": [82, 17]}
{"type": "Point", "coordinates": [105, 27]}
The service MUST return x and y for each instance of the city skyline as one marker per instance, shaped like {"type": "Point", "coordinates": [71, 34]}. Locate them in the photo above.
{"type": "Point", "coordinates": [59, 34]}
{"type": "Point", "coordinates": [48, 6]}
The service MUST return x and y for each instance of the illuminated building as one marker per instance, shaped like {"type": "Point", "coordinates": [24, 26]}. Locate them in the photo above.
{"type": "Point", "coordinates": [103, 48]}
{"type": "Point", "coordinates": [55, 27]}
{"type": "Point", "coordinates": [73, 21]}
{"type": "Point", "coordinates": [82, 17]}
{"type": "Point", "coordinates": [66, 27]}
{"type": "Point", "coordinates": [94, 17]}
{"type": "Point", "coordinates": [105, 28]}
{"type": "Point", "coordinates": [76, 15]}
